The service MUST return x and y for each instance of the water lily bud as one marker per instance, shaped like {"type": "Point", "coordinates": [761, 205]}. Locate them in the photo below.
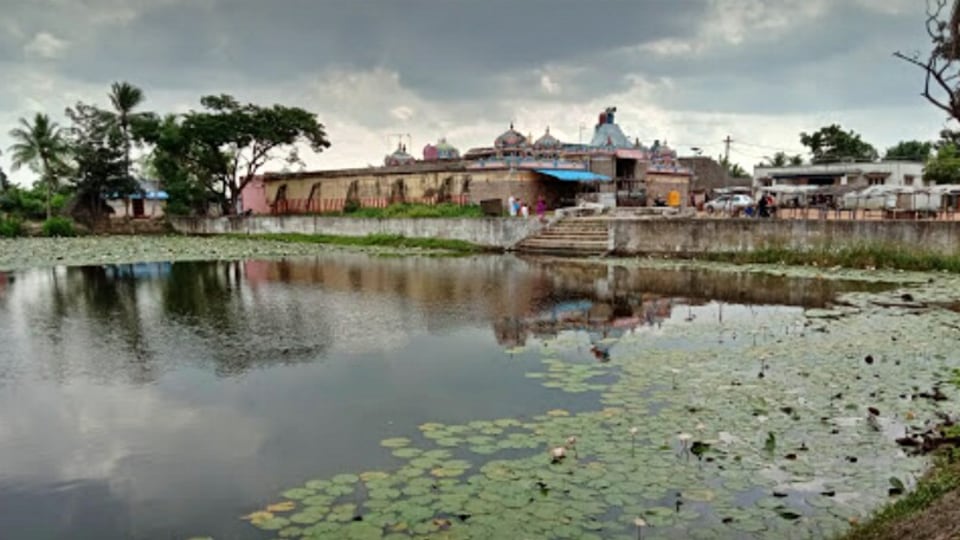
{"type": "Point", "coordinates": [639, 522]}
{"type": "Point", "coordinates": [572, 441]}
{"type": "Point", "coordinates": [634, 430]}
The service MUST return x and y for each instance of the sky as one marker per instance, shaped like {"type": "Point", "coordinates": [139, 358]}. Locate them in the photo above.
{"type": "Point", "coordinates": [688, 72]}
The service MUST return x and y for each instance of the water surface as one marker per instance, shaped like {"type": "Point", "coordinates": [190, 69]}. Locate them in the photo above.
{"type": "Point", "coordinates": [166, 400]}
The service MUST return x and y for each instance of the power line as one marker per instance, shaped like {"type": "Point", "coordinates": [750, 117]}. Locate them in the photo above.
{"type": "Point", "coordinates": [780, 148]}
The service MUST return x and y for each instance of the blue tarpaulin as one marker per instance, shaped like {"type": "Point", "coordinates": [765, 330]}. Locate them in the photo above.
{"type": "Point", "coordinates": [574, 176]}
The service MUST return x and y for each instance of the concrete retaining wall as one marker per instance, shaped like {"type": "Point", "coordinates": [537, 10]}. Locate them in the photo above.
{"type": "Point", "coordinates": [628, 236]}
{"type": "Point", "coordinates": [693, 236]}
{"type": "Point", "coordinates": [490, 232]}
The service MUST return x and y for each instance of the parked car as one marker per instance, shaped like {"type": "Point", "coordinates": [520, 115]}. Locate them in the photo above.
{"type": "Point", "coordinates": [728, 203]}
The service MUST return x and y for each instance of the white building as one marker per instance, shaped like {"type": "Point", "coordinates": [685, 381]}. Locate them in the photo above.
{"type": "Point", "coordinates": [854, 175]}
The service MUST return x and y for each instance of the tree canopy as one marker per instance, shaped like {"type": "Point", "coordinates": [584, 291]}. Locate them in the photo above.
{"type": "Point", "coordinates": [99, 150]}
{"type": "Point", "coordinates": [910, 151]}
{"type": "Point", "coordinates": [833, 144]}
{"type": "Point", "coordinates": [40, 146]}
{"type": "Point", "coordinates": [221, 148]}
{"type": "Point", "coordinates": [944, 168]}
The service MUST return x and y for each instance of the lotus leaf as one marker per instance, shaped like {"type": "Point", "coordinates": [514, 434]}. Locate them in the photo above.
{"type": "Point", "coordinates": [310, 515]}
{"type": "Point", "coordinates": [260, 515]}
{"type": "Point", "coordinates": [285, 506]}
{"type": "Point", "coordinates": [273, 524]}
{"type": "Point", "coordinates": [291, 532]}
{"type": "Point", "coordinates": [406, 453]}
{"type": "Point", "coordinates": [372, 476]}
{"type": "Point", "coordinates": [384, 493]}
{"type": "Point", "coordinates": [318, 485]}
{"type": "Point", "coordinates": [298, 493]}
{"type": "Point", "coordinates": [339, 490]}
{"type": "Point", "coordinates": [395, 442]}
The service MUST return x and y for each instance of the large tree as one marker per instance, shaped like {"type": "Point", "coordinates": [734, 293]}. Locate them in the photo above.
{"type": "Point", "coordinates": [40, 145]}
{"type": "Point", "coordinates": [832, 144]}
{"type": "Point", "coordinates": [944, 168]}
{"type": "Point", "coordinates": [910, 151]}
{"type": "Point", "coordinates": [184, 166]}
{"type": "Point", "coordinates": [99, 151]}
{"type": "Point", "coordinates": [125, 97]}
{"type": "Point", "coordinates": [233, 141]}
{"type": "Point", "coordinates": [4, 180]}
{"type": "Point", "coordinates": [941, 64]}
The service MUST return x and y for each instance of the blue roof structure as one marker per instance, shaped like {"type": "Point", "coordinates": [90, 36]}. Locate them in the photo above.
{"type": "Point", "coordinates": [574, 176]}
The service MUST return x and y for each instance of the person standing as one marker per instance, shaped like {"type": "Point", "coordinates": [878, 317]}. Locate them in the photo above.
{"type": "Point", "coordinates": [541, 208]}
{"type": "Point", "coordinates": [524, 210]}
{"type": "Point", "coordinates": [512, 206]}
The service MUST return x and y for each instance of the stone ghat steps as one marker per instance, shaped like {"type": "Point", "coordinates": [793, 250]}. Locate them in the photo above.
{"type": "Point", "coordinates": [570, 237]}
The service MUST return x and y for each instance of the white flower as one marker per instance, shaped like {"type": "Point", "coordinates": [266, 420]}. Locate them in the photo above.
{"type": "Point", "coordinates": [684, 437]}
{"type": "Point", "coordinates": [558, 452]}
{"type": "Point", "coordinates": [639, 522]}
{"type": "Point", "coordinates": [571, 441]}
{"type": "Point", "coordinates": [634, 430]}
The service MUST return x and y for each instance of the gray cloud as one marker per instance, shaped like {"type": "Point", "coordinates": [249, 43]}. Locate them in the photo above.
{"type": "Point", "coordinates": [465, 69]}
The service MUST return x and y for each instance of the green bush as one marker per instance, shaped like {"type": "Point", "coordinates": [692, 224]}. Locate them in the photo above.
{"type": "Point", "coordinates": [59, 227]}
{"type": "Point", "coordinates": [351, 206]}
{"type": "Point", "coordinates": [10, 227]}
{"type": "Point", "coordinates": [404, 210]}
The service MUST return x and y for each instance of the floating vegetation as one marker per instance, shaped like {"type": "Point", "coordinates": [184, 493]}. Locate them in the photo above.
{"type": "Point", "coordinates": [686, 441]}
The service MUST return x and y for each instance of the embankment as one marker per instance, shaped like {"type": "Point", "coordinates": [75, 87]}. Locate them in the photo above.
{"type": "Point", "coordinates": [694, 237]}
{"type": "Point", "coordinates": [488, 232]}
{"type": "Point", "coordinates": [628, 237]}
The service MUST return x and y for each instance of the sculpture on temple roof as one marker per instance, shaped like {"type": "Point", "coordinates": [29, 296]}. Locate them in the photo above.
{"type": "Point", "coordinates": [399, 157]}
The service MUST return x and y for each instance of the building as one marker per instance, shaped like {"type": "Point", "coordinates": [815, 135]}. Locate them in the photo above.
{"type": "Point", "coordinates": [514, 165]}
{"type": "Point", "coordinates": [831, 183]}
{"type": "Point", "coordinates": [854, 174]}
{"type": "Point", "coordinates": [148, 201]}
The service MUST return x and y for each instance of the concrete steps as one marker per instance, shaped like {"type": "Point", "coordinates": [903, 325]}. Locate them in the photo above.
{"type": "Point", "coordinates": [574, 237]}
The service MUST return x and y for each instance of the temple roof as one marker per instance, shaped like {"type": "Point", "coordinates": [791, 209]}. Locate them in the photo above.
{"type": "Point", "coordinates": [399, 157]}
{"type": "Point", "coordinates": [510, 138]}
{"type": "Point", "coordinates": [548, 141]}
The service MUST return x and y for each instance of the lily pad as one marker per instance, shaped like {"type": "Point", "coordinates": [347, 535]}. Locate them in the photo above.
{"type": "Point", "coordinates": [395, 442]}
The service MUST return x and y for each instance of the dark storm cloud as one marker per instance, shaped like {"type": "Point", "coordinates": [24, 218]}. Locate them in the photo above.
{"type": "Point", "coordinates": [841, 59]}
{"type": "Point", "coordinates": [441, 48]}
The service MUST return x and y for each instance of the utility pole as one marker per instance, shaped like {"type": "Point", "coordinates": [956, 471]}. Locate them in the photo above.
{"type": "Point", "coordinates": [726, 152]}
{"type": "Point", "coordinates": [726, 159]}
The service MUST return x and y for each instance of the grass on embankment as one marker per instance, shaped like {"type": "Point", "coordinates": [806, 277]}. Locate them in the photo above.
{"type": "Point", "coordinates": [865, 256]}
{"type": "Point", "coordinates": [930, 509]}
{"type": "Point", "coordinates": [442, 210]}
{"type": "Point", "coordinates": [372, 240]}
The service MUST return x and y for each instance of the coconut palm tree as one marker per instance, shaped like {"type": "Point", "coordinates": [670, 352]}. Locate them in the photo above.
{"type": "Point", "coordinates": [39, 145]}
{"type": "Point", "coordinates": [125, 97]}
{"type": "Point", "coordinates": [779, 159]}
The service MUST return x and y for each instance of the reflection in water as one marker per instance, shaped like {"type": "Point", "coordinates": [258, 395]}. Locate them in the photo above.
{"type": "Point", "coordinates": [133, 393]}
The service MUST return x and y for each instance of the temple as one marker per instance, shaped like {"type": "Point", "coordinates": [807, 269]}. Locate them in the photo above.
{"type": "Point", "coordinates": [610, 169]}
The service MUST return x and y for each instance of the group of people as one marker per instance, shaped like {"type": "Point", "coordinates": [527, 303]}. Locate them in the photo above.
{"type": "Point", "coordinates": [766, 205]}
{"type": "Point", "coordinates": [516, 207]}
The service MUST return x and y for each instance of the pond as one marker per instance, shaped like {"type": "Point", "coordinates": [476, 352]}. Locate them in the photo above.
{"type": "Point", "coordinates": [357, 396]}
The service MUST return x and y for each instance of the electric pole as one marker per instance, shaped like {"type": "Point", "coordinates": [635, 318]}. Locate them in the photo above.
{"type": "Point", "coordinates": [726, 152]}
